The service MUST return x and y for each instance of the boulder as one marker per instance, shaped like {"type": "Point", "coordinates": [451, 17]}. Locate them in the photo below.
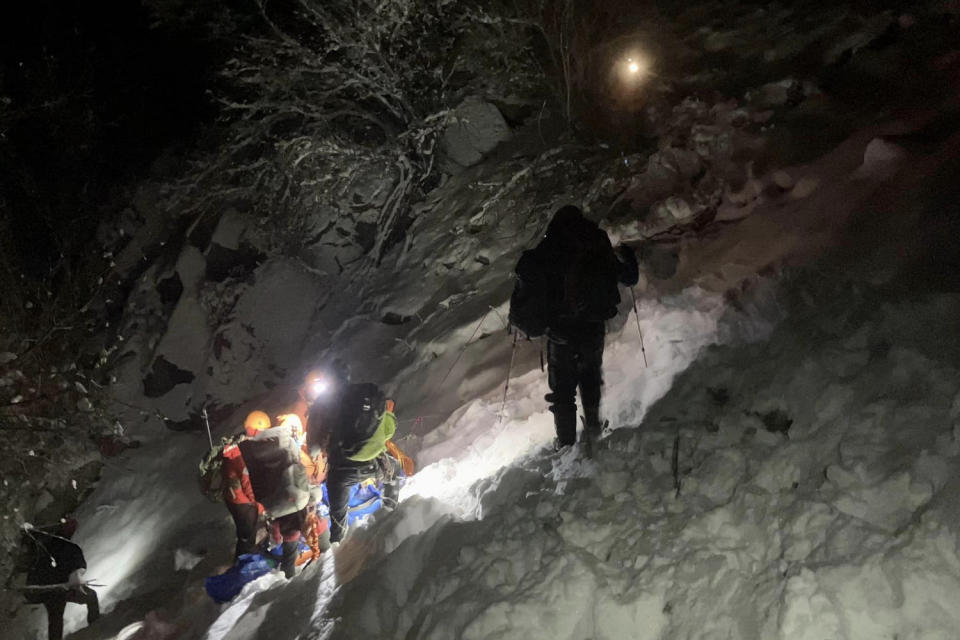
{"type": "Point", "coordinates": [475, 128]}
{"type": "Point", "coordinates": [230, 229]}
{"type": "Point", "coordinates": [230, 253]}
{"type": "Point", "coordinates": [667, 171]}
{"type": "Point", "coordinates": [777, 94]}
{"type": "Point", "coordinates": [265, 334]}
{"type": "Point", "coordinates": [880, 159]}
{"type": "Point", "coordinates": [673, 210]}
{"type": "Point", "coordinates": [182, 350]}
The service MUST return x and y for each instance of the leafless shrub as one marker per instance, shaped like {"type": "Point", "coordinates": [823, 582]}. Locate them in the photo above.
{"type": "Point", "coordinates": [329, 89]}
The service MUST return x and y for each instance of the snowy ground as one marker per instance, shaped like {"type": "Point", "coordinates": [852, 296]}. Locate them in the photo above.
{"type": "Point", "coordinates": [474, 464]}
{"type": "Point", "coordinates": [499, 537]}
{"type": "Point", "coordinates": [843, 527]}
{"type": "Point", "coordinates": [817, 495]}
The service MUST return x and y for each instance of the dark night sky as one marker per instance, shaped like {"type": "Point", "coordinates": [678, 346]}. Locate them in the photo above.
{"type": "Point", "coordinates": [96, 94]}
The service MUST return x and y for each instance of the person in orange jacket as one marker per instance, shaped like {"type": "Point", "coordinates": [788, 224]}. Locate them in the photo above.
{"type": "Point", "coordinates": [315, 529]}
{"type": "Point", "coordinates": [237, 491]}
{"type": "Point", "coordinates": [316, 467]}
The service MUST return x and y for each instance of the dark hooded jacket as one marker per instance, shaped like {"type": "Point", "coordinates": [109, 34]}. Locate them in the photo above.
{"type": "Point", "coordinates": [574, 273]}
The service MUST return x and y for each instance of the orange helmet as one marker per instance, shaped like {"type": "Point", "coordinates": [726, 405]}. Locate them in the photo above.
{"type": "Point", "coordinates": [256, 421]}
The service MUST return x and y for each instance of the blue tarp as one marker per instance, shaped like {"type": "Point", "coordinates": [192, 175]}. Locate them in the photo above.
{"type": "Point", "coordinates": [247, 568]}
{"type": "Point", "coordinates": [365, 498]}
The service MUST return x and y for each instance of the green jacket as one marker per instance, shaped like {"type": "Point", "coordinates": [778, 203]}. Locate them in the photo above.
{"type": "Point", "coordinates": [377, 443]}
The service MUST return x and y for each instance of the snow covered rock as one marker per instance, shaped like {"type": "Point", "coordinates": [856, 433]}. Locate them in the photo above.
{"type": "Point", "coordinates": [182, 350]}
{"type": "Point", "coordinates": [263, 333]}
{"type": "Point", "coordinates": [777, 94]}
{"type": "Point", "coordinates": [674, 209]}
{"type": "Point", "coordinates": [184, 560]}
{"type": "Point", "coordinates": [475, 128]}
{"type": "Point", "coordinates": [880, 159]}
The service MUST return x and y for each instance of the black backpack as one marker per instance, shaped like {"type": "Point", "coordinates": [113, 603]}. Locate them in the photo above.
{"type": "Point", "coordinates": [573, 285]}
{"type": "Point", "coordinates": [587, 289]}
{"type": "Point", "coordinates": [360, 410]}
{"type": "Point", "coordinates": [529, 302]}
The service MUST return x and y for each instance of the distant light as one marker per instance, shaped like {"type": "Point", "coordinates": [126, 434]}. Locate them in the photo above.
{"type": "Point", "coordinates": [633, 69]}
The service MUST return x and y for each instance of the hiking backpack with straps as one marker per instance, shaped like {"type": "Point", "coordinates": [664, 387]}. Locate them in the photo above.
{"type": "Point", "coordinates": [360, 410]}
{"type": "Point", "coordinates": [210, 477]}
{"type": "Point", "coordinates": [587, 289]}
{"type": "Point", "coordinates": [277, 477]}
{"type": "Point", "coordinates": [572, 285]}
{"type": "Point", "coordinates": [529, 304]}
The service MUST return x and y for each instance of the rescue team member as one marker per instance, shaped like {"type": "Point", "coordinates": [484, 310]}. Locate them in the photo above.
{"type": "Point", "coordinates": [567, 289]}
{"type": "Point", "coordinates": [56, 566]}
{"type": "Point", "coordinates": [237, 490]}
{"type": "Point", "coordinates": [353, 423]}
{"type": "Point", "coordinates": [280, 483]}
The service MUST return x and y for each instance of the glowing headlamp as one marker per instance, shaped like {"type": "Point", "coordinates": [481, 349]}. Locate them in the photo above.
{"type": "Point", "coordinates": [318, 388]}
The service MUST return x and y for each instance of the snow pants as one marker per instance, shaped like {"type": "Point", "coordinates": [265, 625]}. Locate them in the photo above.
{"type": "Point", "coordinates": [340, 479]}
{"type": "Point", "coordinates": [56, 601]}
{"type": "Point", "coordinates": [245, 518]}
{"type": "Point", "coordinates": [288, 527]}
{"type": "Point", "coordinates": [572, 363]}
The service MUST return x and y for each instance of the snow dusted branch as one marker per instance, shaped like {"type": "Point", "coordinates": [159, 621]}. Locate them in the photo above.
{"type": "Point", "coordinates": [330, 96]}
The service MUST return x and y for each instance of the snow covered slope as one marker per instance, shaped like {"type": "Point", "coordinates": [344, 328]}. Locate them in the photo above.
{"type": "Point", "coordinates": [817, 474]}
{"type": "Point", "coordinates": [813, 462]}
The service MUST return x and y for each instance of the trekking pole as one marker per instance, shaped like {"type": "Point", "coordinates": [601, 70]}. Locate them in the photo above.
{"type": "Point", "coordinates": [637, 316]}
{"type": "Point", "coordinates": [206, 422]}
{"type": "Point", "coordinates": [506, 386]}
{"type": "Point", "coordinates": [675, 464]}
{"type": "Point", "coordinates": [463, 350]}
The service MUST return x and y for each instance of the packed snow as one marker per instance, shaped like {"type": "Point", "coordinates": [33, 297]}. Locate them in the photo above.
{"type": "Point", "coordinates": [780, 468]}
{"type": "Point", "coordinates": [793, 483]}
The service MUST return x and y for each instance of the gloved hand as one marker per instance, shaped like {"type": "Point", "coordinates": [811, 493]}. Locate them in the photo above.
{"type": "Point", "coordinates": [76, 577]}
{"type": "Point", "coordinates": [629, 269]}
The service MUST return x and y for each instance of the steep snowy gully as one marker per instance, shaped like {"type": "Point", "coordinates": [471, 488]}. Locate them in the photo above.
{"type": "Point", "coordinates": [784, 467]}
{"type": "Point", "coordinates": [796, 481]}
{"type": "Point", "coordinates": [799, 483]}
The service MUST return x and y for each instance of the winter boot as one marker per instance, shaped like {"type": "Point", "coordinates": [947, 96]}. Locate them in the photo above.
{"type": "Point", "coordinates": [566, 424]}
{"type": "Point", "coordinates": [591, 420]}
{"type": "Point", "coordinates": [391, 495]}
{"type": "Point", "coordinates": [289, 560]}
{"type": "Point", "coordinates": [592, 427]}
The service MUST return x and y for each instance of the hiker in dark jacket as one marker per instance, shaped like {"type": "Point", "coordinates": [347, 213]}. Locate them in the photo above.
{"type": "Point", "coordinates": [355, 421]}
{"type": "Point", "coordinates": [54, 576]}
{"type": "Point", "coordinates": [567, 289]}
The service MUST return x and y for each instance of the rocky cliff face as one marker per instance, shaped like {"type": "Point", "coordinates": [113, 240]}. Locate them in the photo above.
{"type": "Point", "coordinates": [734, 127]}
